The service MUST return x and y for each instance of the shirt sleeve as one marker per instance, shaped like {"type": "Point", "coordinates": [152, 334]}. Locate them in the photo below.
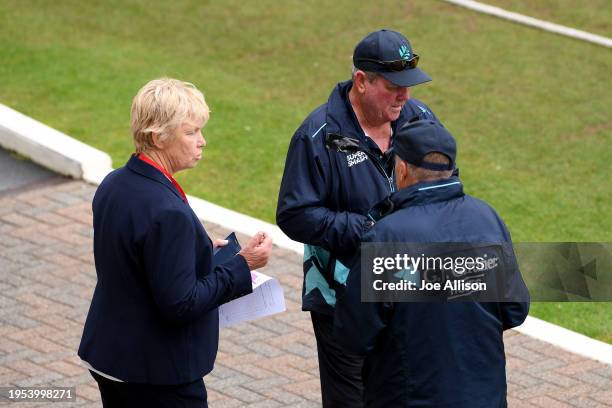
{"type": "Point", "coordinates": [170, 267]}
{"type": "Point", "coordinates": [302, 211]}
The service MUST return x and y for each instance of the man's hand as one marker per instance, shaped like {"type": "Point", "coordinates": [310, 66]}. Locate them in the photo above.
{"type": "Point", "coordinates": [257, 250]}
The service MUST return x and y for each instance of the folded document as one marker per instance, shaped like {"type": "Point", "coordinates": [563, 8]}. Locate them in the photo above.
{"type": "Point", "coordinates": [267, 297]}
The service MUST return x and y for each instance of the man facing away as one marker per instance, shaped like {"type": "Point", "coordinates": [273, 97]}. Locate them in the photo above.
{"type": "Point", "coordinates": [432, 354]}
{"type": "Point", "coordinates": [337, 168]}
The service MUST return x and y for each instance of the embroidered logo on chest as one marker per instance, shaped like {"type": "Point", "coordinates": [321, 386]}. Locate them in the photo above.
{"type": "Point", "coordinates": [356, 158]}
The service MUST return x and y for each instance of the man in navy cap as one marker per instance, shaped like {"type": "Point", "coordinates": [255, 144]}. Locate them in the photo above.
{"type": "Point", "coordinates": [433, 354]}
{"type": "Point", "coordinates": [338, 166]}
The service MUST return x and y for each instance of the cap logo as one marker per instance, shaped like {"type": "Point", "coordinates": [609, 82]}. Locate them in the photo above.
{"type": "Point", "coordinates": [404, 52]}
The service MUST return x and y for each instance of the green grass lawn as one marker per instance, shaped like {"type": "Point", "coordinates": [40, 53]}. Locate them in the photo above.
{"type": "Point", "coordinates": [530, 110]}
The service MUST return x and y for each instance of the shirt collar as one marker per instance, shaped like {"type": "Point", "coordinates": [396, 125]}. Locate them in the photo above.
{"type": "Point", "coordinates": [154, 173]}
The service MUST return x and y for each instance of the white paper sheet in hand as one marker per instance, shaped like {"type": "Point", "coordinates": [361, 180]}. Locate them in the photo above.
{"type": "Point", "coordinates": [267, 299]}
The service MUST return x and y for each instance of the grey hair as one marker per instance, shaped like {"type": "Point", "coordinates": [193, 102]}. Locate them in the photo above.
{"type": "Point", "coordinates": [422, 174]}
{"type": "Point", "coordinates": [369, 74]}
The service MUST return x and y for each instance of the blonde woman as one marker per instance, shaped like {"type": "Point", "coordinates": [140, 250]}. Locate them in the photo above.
{"type": "Point", "coordinates": [152, 329]}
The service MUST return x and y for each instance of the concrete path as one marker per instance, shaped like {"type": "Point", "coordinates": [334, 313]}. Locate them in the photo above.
{"type": "Point", "coordinates": [46, 282]}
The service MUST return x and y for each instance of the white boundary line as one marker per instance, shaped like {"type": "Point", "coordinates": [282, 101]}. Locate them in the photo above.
{"type": "Point", "coordinates": [533, 22]}
{"type": "Point", "coordinates": [76, 155]}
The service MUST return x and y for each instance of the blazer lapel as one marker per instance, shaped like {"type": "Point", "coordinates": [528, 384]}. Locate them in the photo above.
{"type": "Point", "coordinates": [148, 171]}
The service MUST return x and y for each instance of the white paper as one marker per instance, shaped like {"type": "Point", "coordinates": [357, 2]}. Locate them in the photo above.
{"type": "Point", "coordinates": [267, 299]}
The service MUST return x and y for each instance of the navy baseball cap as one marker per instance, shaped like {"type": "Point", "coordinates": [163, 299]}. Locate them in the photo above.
{"type": "Point", "coordinates": [389, 54]}
{"type": "Point", "coordinates": [415, 140]}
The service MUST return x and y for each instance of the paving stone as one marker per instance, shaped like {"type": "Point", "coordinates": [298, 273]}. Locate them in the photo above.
{"type": "Point", "coordinates": [264, 349]}
{"type": "Point", "coordinates": [36, 380]}
{"type": "Point", "coordinates": [309, 389]}
{"type": "Point", "coordinates": [18, 319]}
{"type": "Point", "coordinates": [594, 379]}
{"type": "Point", "coordinates": [301, 350]}
{"type": "Point", "coordinates": [305, 404]}
{"type": "Point", "coordinates": [6, 302]}
{"type": "Point", "coordinates": [221, 372]}
{"type": "Point", "coordinates": [548, 402]}
{"type": "Point", "coordinates": [9, 241]}
{"type": "Point", "coordinates": [89, 392]}
{"type": "Point", "coordinates": [266, 404]}
{"type": "Point", "coordinates": [554, 378]}
{"type": "Point", "coordinates": [579, 367]}
{"type": "Point", "coordinates": [566, 393]}
{"type": "Point", "coordinates": [63, 198]}
{"type": "Point", "coordinates": [26, 366]}
{"type": "Point", "coordinates": [17, 219]}
{"type": "Point", "coordinates": [603, 396]}
{"type": "Point", "coordinates": [274, 325]}
{"type": "Point", "coordinates": [44, 358]}
{"type": "Point", "coordinates": [228, 403]}
{"type": "Point", "coordinates": [253, 371]}
{"type": "Point", "coordinates": [522, 379]}
{"type": "Point", "coordinates": [222, 385]}
{"type": "Point", "coordinates": [243, 394]}
{"type": "Point", "coordinates": [266, 384]}
{"type": "Point", "coordinates": [18, 355]}
{"type": "Point", "coordinates": [586, 402]}
{"type": "Point", "coordinates": [64, 368]}
{"type": "Point", "coordinates": [282, 396]}
{"type": "Point", "coordinates": [9, 378]}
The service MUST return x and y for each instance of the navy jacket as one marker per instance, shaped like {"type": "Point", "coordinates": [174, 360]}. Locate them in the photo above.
{"type": "Point", "coordinates": [432, 354]}
{"type": "Point", "coordinates": [153, 317]}
{"type": "Point", "coordinates": [333, 175]}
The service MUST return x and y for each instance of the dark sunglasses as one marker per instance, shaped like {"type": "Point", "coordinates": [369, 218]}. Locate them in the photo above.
{"type": "Point", "coordinates": [397, 65]}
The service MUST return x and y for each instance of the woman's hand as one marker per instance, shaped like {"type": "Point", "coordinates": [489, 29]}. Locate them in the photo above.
{"type": "Point", "coordinates": [257, 250]}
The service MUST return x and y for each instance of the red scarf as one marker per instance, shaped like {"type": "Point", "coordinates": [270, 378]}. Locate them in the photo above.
{"type": "Point", "coordinates": [146, 159]}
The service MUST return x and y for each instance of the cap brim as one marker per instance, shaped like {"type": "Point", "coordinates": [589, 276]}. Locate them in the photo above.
{"type": "Point", "coordinates": [408, 77]}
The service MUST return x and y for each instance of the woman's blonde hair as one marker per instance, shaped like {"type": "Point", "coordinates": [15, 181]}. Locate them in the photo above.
{"type": "Point", "coordinates": [161, 106]}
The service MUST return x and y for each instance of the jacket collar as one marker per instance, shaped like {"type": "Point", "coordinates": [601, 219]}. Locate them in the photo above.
{"type": "Point", "coordinates": [340, 117]}
{"type": "Point", "coordinates": [428, 193]}
{"type": "Point", "coordinates": [146, 170]}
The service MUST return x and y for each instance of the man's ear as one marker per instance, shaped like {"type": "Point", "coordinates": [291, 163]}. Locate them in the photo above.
{"type": "Point", "coordinates": [359, 79]}
{"type": "Point", "coordinates": [401, 173]}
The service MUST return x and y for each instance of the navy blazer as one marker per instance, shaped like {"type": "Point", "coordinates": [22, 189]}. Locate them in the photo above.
{"type": "Point", "coordinates": [153, 317]}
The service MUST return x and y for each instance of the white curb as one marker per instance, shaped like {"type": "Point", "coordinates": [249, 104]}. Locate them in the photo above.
{"type": "Point", "coordinates": [566, 339]}
{"type": "Point", "coordinates": [533, 22]}
{"type": "Point", "coordinates": [50, 148]}
{"type": "Point", "coordinates": [39, 142]}
{"type": "Point", "coordinates": [241, 223]}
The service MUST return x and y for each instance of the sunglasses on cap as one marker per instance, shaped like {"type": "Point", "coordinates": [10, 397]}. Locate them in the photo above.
{"type": "Point", "coordinates": [397, 65]}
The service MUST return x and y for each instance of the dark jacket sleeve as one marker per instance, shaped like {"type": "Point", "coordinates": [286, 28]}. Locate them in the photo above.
{"type": "Point", "coordinates": [170, 266]}
{"type": "Point", "coordinates": [302, 212]}
{"type": "Point", "coordinates": [515, 310]}
{"type": "Point", "coordinates": [515, 307]}
{"type": "Point", "coordinates": [357, 324]}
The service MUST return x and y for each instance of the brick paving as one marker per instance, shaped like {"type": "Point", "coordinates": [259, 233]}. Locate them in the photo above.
{"type": "Point", "coordinates": [47, 279]}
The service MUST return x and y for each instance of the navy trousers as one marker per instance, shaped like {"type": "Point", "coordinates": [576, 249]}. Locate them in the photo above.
{"type": "Point", "coordinates": [340, 372]}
